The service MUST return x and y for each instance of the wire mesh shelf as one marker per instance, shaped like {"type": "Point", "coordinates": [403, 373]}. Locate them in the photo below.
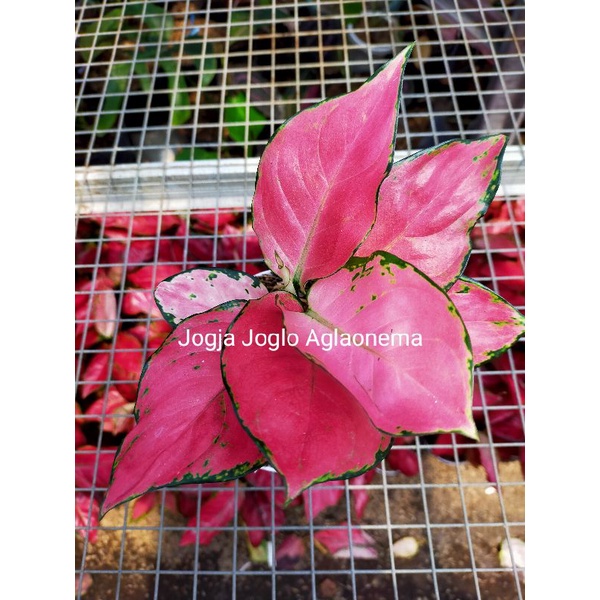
{"type": "Point", "coordinates": [174, 103]}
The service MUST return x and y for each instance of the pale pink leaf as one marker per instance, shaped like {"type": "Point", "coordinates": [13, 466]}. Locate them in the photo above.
{"type": "Point", "coordinates": [186, 428]}
{"type": "Point", "coordinates": [198, 290]}
{"type": "Point", "coordinates": [493, 324]}
{"type": "Point", "coordinates": [431, 200]}
{"type": "Point", "coordinates": [394, 340]}
{"type": "Point", "coordinates": [309, 426]}
{"type": "Point", "coordinates": [338, 542]}
{"type": "Point", "coordinates": [318, 178]}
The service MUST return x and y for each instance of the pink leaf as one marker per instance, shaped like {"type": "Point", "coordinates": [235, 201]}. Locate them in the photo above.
{"type": "Point", "coordinates": [128, 360]}
{"type": "Point", "coordinates": [320, 497]}
{"type": "Point", "coordinates": [186, 430]}
{"type": "Point", "coordinates": [89, 464]}
{"type": "Point", "coordinates": [430, 202]}
{"type": "Point", "coordinates": [318, 178]}
{"type": "Point", "coordinates": [114, 416]}
{"type": "Point", "coordinates": [137, 302]}
{"type": "Point", "coordinates": [309, 426]}
{"type": "Point", "coordinates": [216, 512]}
{"type": "Point", "coordinates": [95, 373]}
{"type": "Point", "coordinates": [147, 278]}
{"type": "Point", "coordinates": [395, 341]}
{"type": "Point", "coordinates": [257, 511]}
{"type": "Point", "coordinates": [199, 290]}
{"type": "Point", "coordinates": [143, 505]}
{"type": "Point", "coordinates": [361, 497]}
{"type": "Point", "coordinates": [493, 324]}
{"type": "Point", "coordinates": [404, 460]}
{"type": "Point", "coordinates": [337, 542]}
{"type": "Point", "coordinates": [86, 522]}
{"type": "Point", "coordinates": [290, 551]}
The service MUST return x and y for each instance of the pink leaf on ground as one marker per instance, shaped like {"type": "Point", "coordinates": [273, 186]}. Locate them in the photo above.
{"type": "Point", "coordinates": [216, 512]}
{"type": "Point", "coordinates": [115, 414]}
{"type": "Point", "coordinates": [361, 496]}
{"type": "Point", "coordinates": [137, 302]}
{"type": "Point", "coordinates": [308, 425]}
{"type": "Point", "coordinates": [321, 496]}
{"type": "Point", "coordinates": [128, 360]}
{"type": "Point", "coordinates": [493, 324]}
{"type": "Point", "coordinates": [431, 200]}
{"type": "Point", "coordinates": [419, 381]}
{"type": "Point", "coordinates": [318, 178]}
{"type": "Point", "coordinates": [337, 542]}
{"type": "Point", "coordinates": [87, 513]}
{"type": "Point", "coordinates": [290, 551]}
{"type": "Point", "coordinates": [404, 460]}
{"type": "Point", "coordinates": [186, 430]}
{"type": "Point", "coordinates": [198, 290]}
{"type": "Point", "coordinates": [95, 373]}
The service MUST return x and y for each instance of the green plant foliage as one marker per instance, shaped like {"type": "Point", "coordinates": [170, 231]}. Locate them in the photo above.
{"type": "Point", "coordinates": [239, 111]}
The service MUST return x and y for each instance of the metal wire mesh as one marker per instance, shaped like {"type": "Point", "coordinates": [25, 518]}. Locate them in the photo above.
{"type": "Point", "coordinates": [174, 102]}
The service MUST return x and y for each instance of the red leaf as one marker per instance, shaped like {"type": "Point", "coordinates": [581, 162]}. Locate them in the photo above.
{"type": "Point", "coordinates": [308, 424]}
{"type": "Point", "coordinates": [115, 415]}
{"type": "Point", "coordinates": [86, 459]}
{"type": "Point", "coordinates": [186, 430]}
{"type": "Point", "coordinates": [419, 381]}
{"type": "Point", "coordinates": [320, 497]}
{"type": "Point", "coordinates": [493, 324]}
{"type": "Point", "coordinates": [337, 542]}
{"type": "Point", "coordinates": [361, 497]}
{"type": "Point", "coordinates": [319, 175]}
{"type": "Point", "coordinates": [216, 512]}
{"type": "Point", "coordinates": [95, 374]}
{"type": "Point", "coordinates": [128, 360]}
{"type": "Point", "coordinates": [84, 519]}
{"type": "Point", "coordinates": [430, 202]}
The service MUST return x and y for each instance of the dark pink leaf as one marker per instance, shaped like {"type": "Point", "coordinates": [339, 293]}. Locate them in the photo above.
{"type": "Point", "coordinates": [128, 360]}
{"type": "Point", "coordinates": [493, 324]}
{"type": "Point", "coordinates": [90, 463]}
{"type": "Point", "coordinates": [261, 478]}
{"type": "Point", "coordinates": [430, 202]}
{"type": "Point", "coordinates": [260, 512]}
{"type": "Point", "coordinates": [241, 246]}
{"type": "Point", "coordinates": [143, 505]}
{"type": "Point", "coordinates": [115, 252]}
{"type": "Point", "coordinates": [137, 302]}
{"type": "Point", "coordinates": [215, 513]}
{"type": "Point", "coordinates": [361, 496]}
{"type": "Point", "coordinates": [142, 225]}
{"type": "Point", "coordinates": [147, 278]}
{"type": "Point", "coordinates": [114, 413]}
{"type": "Point", "coordinates": [320, 497]}
{"type": "Point", "coordinates": [198, 290]}
{"type": "Point", "coordinates": [290, 551]}
{"type": "Point", "coordinates": [395, 341]}
{"type": "Point", "coordinates": [404, 460]}
{"type": "Point", "coordinates": [186, 430]}
{"type": "Point", "coordinates": [309, 426]}
{"type": "Point", "coordinates": [95, 373]}
{"type": "Point", "coordinates": [209, 222]}
{"type": "Point", "coordinates": [318, 178]}
{"type": "Point", "coordinates": [153, 334]}
{"type": "Point", "coordinates": [87, 513]}
{"type": "Point", "coordinates": [337, 542]}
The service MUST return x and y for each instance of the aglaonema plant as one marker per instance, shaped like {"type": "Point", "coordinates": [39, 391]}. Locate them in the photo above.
{"type": "Point", "coordinates": [371, 334]}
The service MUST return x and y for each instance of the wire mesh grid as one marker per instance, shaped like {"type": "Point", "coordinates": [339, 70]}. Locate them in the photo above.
{"type": "Point", "coordinates": [174, 102]}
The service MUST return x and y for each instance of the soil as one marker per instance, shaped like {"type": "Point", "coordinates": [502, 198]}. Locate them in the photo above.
{"type": "Point", "coordinates": [123, 562]}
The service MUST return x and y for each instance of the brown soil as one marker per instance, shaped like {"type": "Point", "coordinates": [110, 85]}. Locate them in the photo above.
{"type": "Point", "coordinates": [131, 557]}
